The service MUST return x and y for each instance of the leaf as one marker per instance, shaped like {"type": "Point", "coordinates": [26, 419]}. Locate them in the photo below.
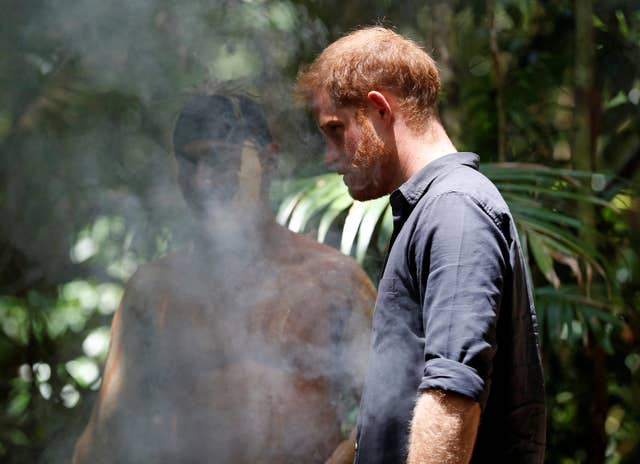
{"type": "Point", "coordinates": [18, 404]}
{"type": "Point", "coordinates": [374, 212]}
{"type": "Point", "coordinates": [568, 260]}
{"type": "Point", "coordinates": [542, 258]}
{"type": "Point", "coordinates": [351, 225]}
{"type": "Point", "coordinates": [290, 192]}
{"type": "Point", "coordinates": [554, 323]}
{"type": "Point", "coordinates": [590, 314]}
{"type": "Point", "coordinates": [573, 296]}
{"type": "Point", "coordinates": [539, 212]}
{"type": "Point", "coordinates": [339, 205]}
{"type": "Point", "coordinates": [314, 201]}
{"type": "Point", "coordinates": [571, 241]}
{"type": "Point", "coordinates": [286, 207]}
{"type": "Point", "coordinates": [554, 193]}
{"type": "Point", "coordinates": [494, 169]}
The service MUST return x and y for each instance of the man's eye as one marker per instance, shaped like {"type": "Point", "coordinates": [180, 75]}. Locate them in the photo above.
{"type": "Point", "coordinates": [186, 162]}
{"type": "Point", "coordinates": [333, 129]}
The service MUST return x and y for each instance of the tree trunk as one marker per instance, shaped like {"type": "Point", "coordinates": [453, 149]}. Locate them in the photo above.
{"type": "Point", "coordinates": [440, 40]}
{"type": "Point", "coordinates": [586, 116]}
{"type": "Point", "coordinates": [499, 77]}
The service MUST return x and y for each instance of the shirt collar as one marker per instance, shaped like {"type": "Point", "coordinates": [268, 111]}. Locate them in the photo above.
{"type": "Point", "coordinates": [407, 195]}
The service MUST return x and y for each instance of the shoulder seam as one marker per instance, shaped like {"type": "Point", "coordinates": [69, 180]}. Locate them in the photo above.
{"type": "Point", "coordinates": [497, 220]}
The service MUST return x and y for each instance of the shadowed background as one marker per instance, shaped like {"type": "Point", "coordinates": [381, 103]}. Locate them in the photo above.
{"type": "Point", "coordinates": [90, 91]}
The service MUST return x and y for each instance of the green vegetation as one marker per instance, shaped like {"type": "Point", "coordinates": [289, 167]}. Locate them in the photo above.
{"type": "Point", "coordinates": [547, 93]}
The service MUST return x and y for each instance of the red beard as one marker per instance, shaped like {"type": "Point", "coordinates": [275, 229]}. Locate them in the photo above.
{"type": "Point", "coordinates": [369, 175]}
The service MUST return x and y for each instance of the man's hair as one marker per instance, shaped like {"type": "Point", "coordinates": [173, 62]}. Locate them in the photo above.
{"type": "Point", "coordinates": [374, 58]}
{"type": "Point", "coordinates": [215, 113]}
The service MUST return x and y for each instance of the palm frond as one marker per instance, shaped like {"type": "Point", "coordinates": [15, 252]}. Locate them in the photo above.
{"type": "Point", "coordinates": [372, 216]}
{"type": "Point", "coordinates": [543, 202]}
{"type": "Point", "coordinates": [566, 314]}
{"type": "Point", "coordinates": [327, 198]}
{"type": "Point", "coordinates": [541, 199]}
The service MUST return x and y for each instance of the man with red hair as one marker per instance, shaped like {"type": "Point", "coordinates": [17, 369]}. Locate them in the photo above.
{"type": "Point", "coordinates": [454, 372]}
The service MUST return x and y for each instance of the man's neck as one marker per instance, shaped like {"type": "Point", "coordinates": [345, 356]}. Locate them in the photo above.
{"type": "Point", "coordinates": [241, 235]}
{"type": "Point", "coordinates": [416, 150]}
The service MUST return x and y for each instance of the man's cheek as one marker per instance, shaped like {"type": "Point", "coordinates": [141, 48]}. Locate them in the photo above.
{"type": "Point", "coordinates": [350, 148]}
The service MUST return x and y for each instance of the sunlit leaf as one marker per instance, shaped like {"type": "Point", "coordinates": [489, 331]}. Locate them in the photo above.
{"type": "Point", "coordinates": [339, 205]}
{"type": "Point", "coordinates": [70, 396]}
{"type": "Point", "coordinates": [95, 345]}
{"type": "Point", "coordinates": [286, 207]}
{"type": "Point", "coordinates": [312, 203]}
{"type": "Point", "coordinates": [84, 370]}
{"type": "Point", "coordinates": [374, 211]}
{"type": "Point", "coordinates": [351, 225]}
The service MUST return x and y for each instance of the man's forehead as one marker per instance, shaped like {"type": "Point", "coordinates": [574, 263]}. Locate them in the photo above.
{"type": "Point", "coordinates": [322, 102]}
{"type": "Point", "coordinates": [325, 109]}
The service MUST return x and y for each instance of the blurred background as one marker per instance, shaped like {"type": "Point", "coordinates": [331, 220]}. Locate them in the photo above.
{"type": "Point", "coordinates": [546, 92]}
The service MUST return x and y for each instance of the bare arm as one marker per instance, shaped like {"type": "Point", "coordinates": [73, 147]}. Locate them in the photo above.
{"type": "Point", "coordinates": [107, 398]}
{"type": "Point", "coordinates": [443, 429]}
{"type": "Point", "coordinates": [345, 453]}
{"type": "Point", "coordinates": [117, 401]}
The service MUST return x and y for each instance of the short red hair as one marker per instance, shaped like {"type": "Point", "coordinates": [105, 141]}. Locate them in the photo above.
{"type": "Point", "coordinates": [374, 58]}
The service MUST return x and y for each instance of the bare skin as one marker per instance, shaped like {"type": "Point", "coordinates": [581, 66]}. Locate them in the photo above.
{"type": "Point", "coordinates": [409, 152]}
{"type": "Point", "coordinates": [443, 429]}
{"type": "Point", "coordinates": [252, 387]}
{"type": "Point", "coordinates": [248, 347]}
{"type": "Point", "coordinates": [444, 425]}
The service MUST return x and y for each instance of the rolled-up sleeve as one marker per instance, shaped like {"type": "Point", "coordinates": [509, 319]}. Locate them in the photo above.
{"type": "Point", "coordinates": [460, 258]}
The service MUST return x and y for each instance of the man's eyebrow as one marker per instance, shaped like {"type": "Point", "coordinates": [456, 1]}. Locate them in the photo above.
{"type": "Point", "coordinates": [328, 122]}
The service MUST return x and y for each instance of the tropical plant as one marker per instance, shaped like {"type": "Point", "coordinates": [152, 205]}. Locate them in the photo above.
{"type": "Point", "coordinates": [543, 201]}
{"type": "Point", "coordinates": [89, 96]}
{"type": "Point", "coordinates": [578, 268]}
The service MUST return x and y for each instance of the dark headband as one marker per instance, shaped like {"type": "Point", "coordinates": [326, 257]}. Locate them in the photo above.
{"type": "Point", "coordinates": [231, 119]}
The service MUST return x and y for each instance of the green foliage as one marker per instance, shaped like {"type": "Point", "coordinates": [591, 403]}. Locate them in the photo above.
{"type": "Point", "coordinates": [53, 351]}
{"type": "Point", "coordinates": [90, 91]}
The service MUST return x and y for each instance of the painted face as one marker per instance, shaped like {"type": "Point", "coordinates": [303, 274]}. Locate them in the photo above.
{"type": "Point", "coordinates": [354, 149]}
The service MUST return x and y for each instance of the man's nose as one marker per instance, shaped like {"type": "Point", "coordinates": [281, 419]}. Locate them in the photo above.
{"type": "Point", "coordinates": [204, 176]}
{"type": "Point", "coordinates": [331, 155]}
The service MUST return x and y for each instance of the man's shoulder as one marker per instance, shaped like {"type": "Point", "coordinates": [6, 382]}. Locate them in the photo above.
{"type": "Point", "coordinates": [465, 180]}
{"type": "Point", "coordinates": [306, 251]}
{"type": "Point", "coordinates": [158, 275]}
{"type": "Point", "coordinates": [326, 265]}
{"type": "Point", "coordinates": [471, 187]}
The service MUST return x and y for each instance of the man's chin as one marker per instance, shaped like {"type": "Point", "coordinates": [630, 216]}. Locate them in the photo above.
{"type": "Point", "coordinates": [364, 194]}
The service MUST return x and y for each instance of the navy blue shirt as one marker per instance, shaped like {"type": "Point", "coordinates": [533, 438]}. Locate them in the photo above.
{"type": "Point", "coordinates": [454, 312]}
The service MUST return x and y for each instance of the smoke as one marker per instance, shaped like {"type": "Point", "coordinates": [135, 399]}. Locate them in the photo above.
{"type": "Point", "coordinates": [239, 341]}
{"type": "Point", "coordinates": [247, 353]}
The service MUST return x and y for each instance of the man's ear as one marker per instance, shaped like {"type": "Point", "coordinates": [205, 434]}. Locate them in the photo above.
{"type": "Point", "coordinates": [381, 106]}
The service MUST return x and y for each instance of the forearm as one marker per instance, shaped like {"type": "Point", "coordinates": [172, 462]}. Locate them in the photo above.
{"type": "Point", "coordinates": [443, 429]}
{"type": "Point", "coordinates": [345, 452]}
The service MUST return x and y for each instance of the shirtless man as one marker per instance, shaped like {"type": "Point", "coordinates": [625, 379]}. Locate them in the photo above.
{"type": "Point", "coordinates": [247, 347]}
